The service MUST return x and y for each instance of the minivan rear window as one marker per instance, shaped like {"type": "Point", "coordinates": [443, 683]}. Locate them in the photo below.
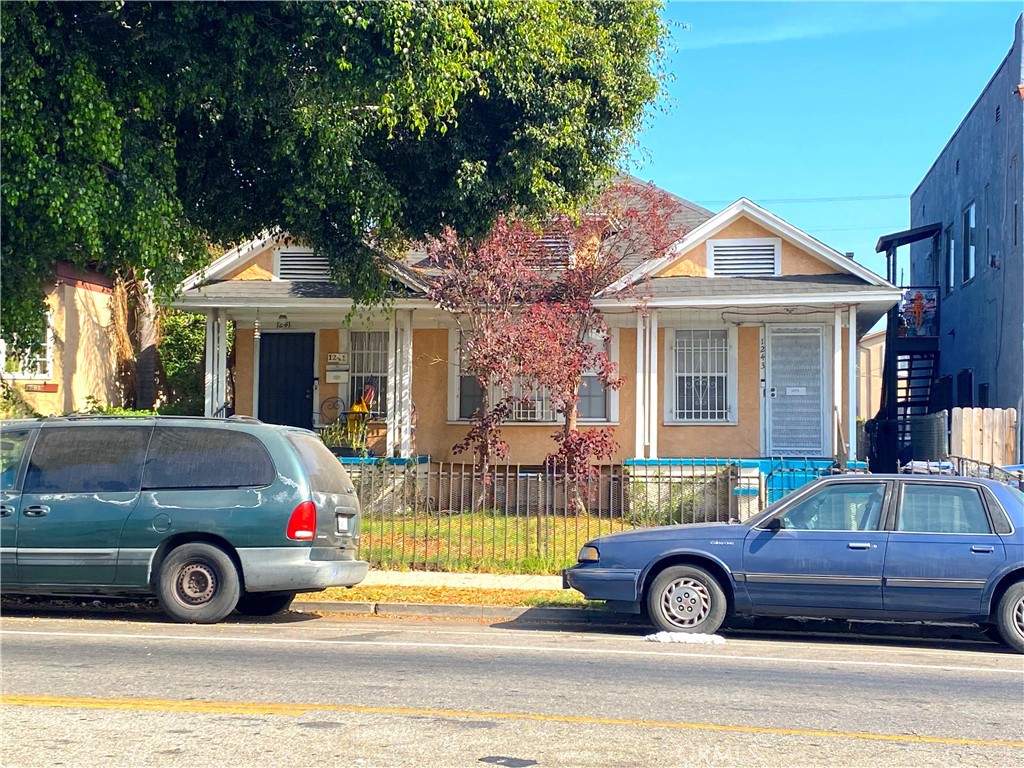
{"type": "Point", "coordinates": [87, 460]}
{"type": "Point", "coordinates": [191, 457]}
{"type": "Point", "coordinates": [326, 475]}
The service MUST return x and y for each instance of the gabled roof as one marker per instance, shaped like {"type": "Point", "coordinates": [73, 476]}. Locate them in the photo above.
{"type": "Point", "coordinates": [767, 219]}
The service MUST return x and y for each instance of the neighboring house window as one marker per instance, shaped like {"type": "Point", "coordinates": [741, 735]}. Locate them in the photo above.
{"type": "Point", "coordinates": [970, 242]}
{"type": "Point", "coordinates": [368, 359]}
{"type": "Point", "coordinates": [593, 399]}
{"type": "Point", "coordinates": [35, 363]}
{"type": "Point", "coordinates": [702, 378]}
{"type": "Point", "coordinates": [949, 273]}
{"type": "Point", "coordinates": [751, 257]}
{"type": "Point", "coordinates": [531, 404]}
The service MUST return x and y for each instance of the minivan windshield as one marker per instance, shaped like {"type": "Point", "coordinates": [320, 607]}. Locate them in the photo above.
{"type": "Point", "coordinates": [326, 475]}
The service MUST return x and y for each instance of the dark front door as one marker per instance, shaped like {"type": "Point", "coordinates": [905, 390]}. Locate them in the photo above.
{"type": "Point", "coordinates": [286, 379]}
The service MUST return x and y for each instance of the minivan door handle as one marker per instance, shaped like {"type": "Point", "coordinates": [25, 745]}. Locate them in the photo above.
{"type": "Point", "coordinates": [858, 545]}
{"type": "Point", "coordinates": [980, 550]}
{"type": "Point", "coordinates": [37, 510]}
{"type": "Point", "coordinates": [6, 510]}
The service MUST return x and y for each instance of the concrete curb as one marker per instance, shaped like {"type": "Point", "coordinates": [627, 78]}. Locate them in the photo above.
{"type": "Point", "coordinates": [491, 612]}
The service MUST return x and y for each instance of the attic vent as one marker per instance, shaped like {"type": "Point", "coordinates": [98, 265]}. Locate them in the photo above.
{"type": "Point", "coordinates": [744, 258]}
{"type": "Point", "coordinates": [958, 167]}
{"type": "Point", "coordinates": [302, 265]}
{"type": "Point", "coordinates": [998, 110]}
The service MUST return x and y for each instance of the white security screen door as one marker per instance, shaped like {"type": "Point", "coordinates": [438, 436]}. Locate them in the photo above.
{"type": "Point", "coordinates": [796, 397]}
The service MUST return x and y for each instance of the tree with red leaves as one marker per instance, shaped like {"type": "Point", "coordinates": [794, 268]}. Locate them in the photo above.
{"type": "Point", "coordinates": [524, 301]}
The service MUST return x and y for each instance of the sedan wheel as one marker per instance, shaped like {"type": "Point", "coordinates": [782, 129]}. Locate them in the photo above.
{"type": "Point", "coordinates": [1010, 616]}
{"type": "Point", "coordinates": [686, 598]}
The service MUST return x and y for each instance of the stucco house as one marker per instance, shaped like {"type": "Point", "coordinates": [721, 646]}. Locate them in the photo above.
{"type": "Point", "coordinates": [76, 359]}
{"type": "Point", "coordinates": [746, 347]}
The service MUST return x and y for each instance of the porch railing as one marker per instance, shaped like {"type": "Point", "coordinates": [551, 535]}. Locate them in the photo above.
{"type": "Point", "coordinates": [523, 519]}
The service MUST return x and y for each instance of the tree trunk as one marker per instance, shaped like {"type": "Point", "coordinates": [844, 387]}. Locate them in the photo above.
{"type": "Point", "coordinates": [147, 336]}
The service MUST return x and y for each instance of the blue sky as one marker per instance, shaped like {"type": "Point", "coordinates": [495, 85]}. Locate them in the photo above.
{"type": "Point", "coordinates": [775, 101]}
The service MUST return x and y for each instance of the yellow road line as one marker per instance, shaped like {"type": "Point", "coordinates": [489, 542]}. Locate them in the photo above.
{"type": "Point", "coordinates": [271, 708]}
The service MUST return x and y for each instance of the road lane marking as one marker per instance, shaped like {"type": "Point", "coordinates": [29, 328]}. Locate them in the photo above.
{"type": "Point", "coordinates": [520, 648]}
{"type": "Point", "coordinates": [298, 709]}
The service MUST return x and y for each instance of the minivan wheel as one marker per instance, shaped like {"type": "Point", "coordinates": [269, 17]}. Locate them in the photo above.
{"type": "Point", "coordinates": [198, 584]}
{"type": "Point", "coordinates": [262, 604]}
{"type": "Point", "coordinates": [1009, 616]}
{"type": "Point", "coordinates": [686, 598]}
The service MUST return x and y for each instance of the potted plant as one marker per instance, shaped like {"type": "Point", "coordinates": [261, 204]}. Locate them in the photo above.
{"type": "Point", "coordinates": [344, 440]}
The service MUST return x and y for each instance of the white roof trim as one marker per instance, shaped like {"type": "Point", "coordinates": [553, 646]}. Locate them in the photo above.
{"type": "Point", "coordinates": [782, 300]}
{"type": "Point", "coordinates": [230, 259]}
{"type": "Point", "coordinates": [767, 219]}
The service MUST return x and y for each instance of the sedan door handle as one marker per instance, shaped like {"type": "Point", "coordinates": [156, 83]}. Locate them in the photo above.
{"type": "Point", "coordinates": [6, 510]}
{"type": "Point", "coordinates": [979, 550]}
{"type": "Point", "coordinates": [858, 545]}
{"type": "Point", "coordinates": [37, 510]}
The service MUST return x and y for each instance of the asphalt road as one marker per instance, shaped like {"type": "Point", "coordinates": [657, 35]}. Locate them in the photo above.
{"type": "Point", "coordinates": [303, 691]}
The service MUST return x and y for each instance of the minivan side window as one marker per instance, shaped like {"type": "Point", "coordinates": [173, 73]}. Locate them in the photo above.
{"type": "Point", "coordinates": [12, 449]}
{"type": "Point", "coordinates": [87, 460]}
{"type": "Point", "coordinates": [193, 457]}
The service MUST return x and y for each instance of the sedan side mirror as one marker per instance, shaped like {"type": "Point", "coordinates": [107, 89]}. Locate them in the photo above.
{"type": "Point", "coordinates": [775, 524]}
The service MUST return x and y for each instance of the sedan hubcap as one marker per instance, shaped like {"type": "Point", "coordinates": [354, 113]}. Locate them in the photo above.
{"type": "Point", "coordinates": [1018, 615]}
{"type": "Point", "coordinates": [686, 602]}
{"type": "Point", "coordinates": [196, 584]}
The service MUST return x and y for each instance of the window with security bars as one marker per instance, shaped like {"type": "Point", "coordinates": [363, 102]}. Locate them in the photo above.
{"type": "Point", "coordinates": [701, 360]}
{"type": "Point", "coordinates": [531, 403]}
{"type": "Point", "coordinates": [368, 365]}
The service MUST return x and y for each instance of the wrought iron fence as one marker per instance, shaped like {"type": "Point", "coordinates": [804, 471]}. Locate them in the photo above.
{"type": "Point", "coordinates": [963, 466]}
{"type": "Point", "coordinates": [525, 519]}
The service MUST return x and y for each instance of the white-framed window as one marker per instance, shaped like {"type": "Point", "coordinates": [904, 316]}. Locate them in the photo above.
{"type": "Point", "coordinates": [745, 257]}
{"type": "Point", "coordinates": [35, 363]}
{"type": "Point", "coordinates": [970, 242]}
{"type": "Point", "coordinates": [532, 405]}
{"type": "Point", "coordinates": [368, 364]}
{"type": "Point", "coordinates": [701, 372]}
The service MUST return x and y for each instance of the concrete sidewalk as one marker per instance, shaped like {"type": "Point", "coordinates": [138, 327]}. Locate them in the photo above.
{"type": "Point", "coordinates": [459, 580]}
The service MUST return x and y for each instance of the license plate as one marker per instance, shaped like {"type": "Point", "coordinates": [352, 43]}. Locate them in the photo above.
{"type": "Point", "coordinates": [343, 524]}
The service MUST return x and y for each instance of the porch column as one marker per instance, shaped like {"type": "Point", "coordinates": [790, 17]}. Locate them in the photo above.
{"type": "Point", "coordinates": [216, 380]}
{"type": "Point", "coordinates": [640, 400]}
{"type": "Point", "coordinates": [851, 381]}
{"type": "Point", "coordinates": [652, 384]}
{"type": "Point", "coordinates": [403, 400]}
{"type": "Point", "coordinates": [837, 380]}
{"type": "Point", "coordinates": [391, 439]}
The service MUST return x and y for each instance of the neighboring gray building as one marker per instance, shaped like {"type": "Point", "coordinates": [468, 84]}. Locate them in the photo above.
{"type": "Point", "coordinates": [975, 189]}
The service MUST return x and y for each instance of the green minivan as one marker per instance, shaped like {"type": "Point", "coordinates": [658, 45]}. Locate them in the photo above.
{"type": "Point", "coordinates": [210, 515]}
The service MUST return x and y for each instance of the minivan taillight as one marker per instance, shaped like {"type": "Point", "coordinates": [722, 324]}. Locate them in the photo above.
{"type": "Point", "coordinates": [302, 523]}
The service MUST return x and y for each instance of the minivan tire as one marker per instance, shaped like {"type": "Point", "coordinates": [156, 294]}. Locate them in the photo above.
{"type": "Point", "coordinates": [198, 584]}
{"type": "Point", "coordinates": [264, 604]}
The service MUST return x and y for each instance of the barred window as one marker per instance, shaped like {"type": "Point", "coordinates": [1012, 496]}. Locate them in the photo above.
{"type": "Point", "coordinates": [368, 360]}
{"type": "Point", "coordinates": [701, 360]}
{"type": "Point", "coordinates": [531, 403]}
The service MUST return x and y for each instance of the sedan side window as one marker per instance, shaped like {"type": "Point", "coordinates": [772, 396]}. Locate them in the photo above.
{"type": "Point", "coordinates": [942, 509]}
{"type": "Point", "coordinates": [838, 507]}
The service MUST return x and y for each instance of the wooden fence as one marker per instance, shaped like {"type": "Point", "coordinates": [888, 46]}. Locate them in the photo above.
{"type": "Point", "coordinates": [988, 435]}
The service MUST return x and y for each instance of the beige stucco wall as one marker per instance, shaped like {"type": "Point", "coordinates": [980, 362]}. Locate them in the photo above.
{"type": "Point", "coordinates": [84, 364]}
{"type": "Point", "coordinates": [260, 268]}
{"type": "Point", "coordinates": [870, 359]}
{"type": "Point", "coordinates": [795, 261]}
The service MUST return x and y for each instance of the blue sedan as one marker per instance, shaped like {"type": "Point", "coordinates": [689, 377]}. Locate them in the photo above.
{"type": "Point", "coordinates": [890, 547]}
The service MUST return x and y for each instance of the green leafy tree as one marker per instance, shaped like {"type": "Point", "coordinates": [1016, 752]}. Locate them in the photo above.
{"type": "Point", "coordinates": [135, 134]}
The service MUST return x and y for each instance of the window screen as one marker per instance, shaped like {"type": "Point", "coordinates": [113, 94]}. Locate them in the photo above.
{"type": "Point", "coordinates": [190, 457]}
{"type": "Point", "coordinates": [593, 398]}
{"type": "Point", "coordinates": [942, 509]}
{"type": "Point", "coordinates": [88, 460]}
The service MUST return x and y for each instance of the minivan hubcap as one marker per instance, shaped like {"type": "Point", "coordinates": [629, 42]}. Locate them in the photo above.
{"type": "Point", "coordinates": [687, 602]}
{"type": "Point", "coordinates": [196, 583]}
